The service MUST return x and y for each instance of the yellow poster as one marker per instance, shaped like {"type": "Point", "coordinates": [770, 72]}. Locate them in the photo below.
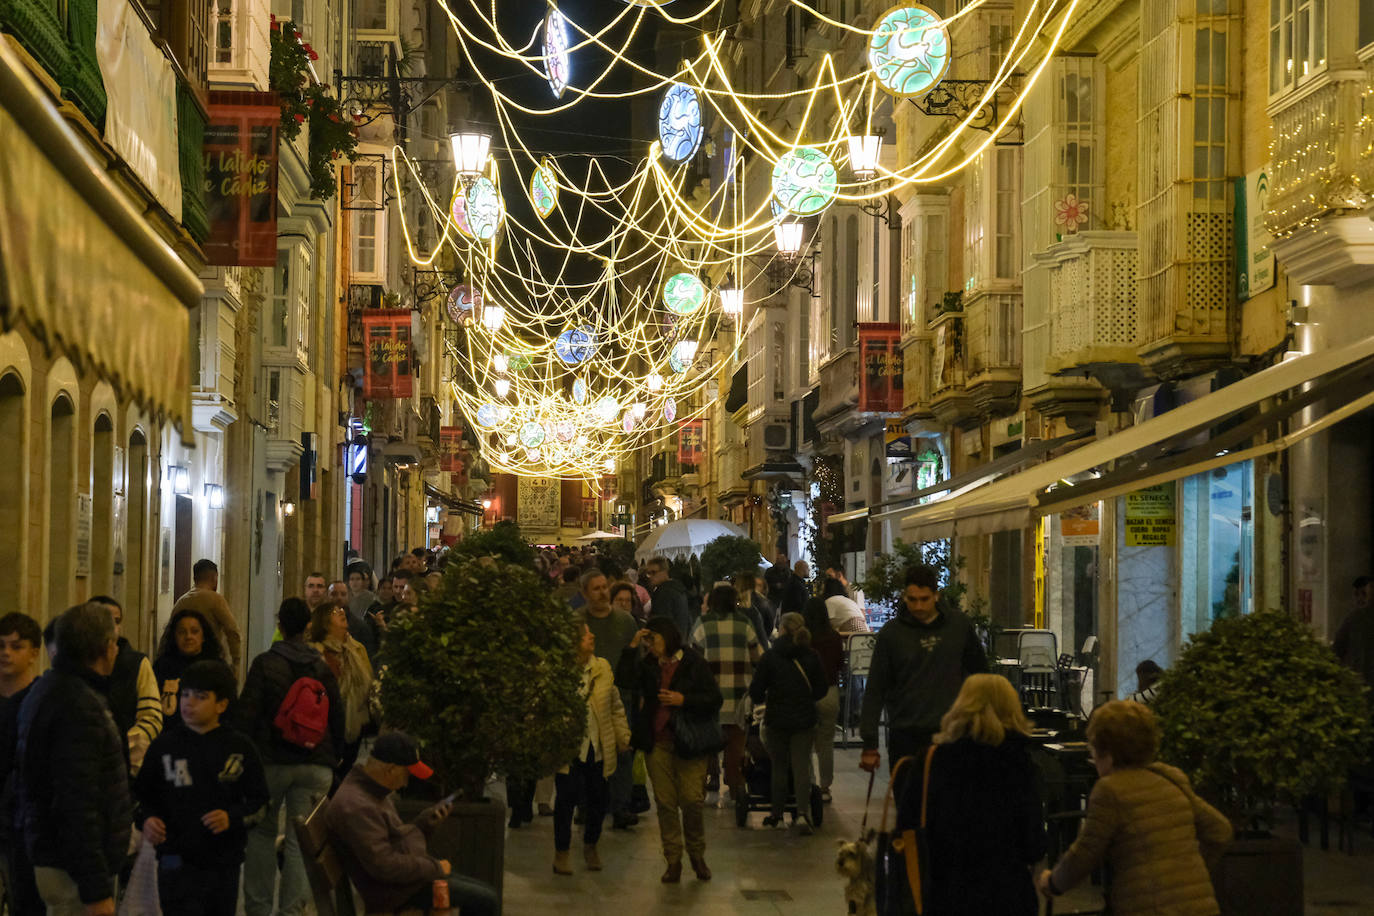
{"type": "Point", "coordinates": [1151, 517]}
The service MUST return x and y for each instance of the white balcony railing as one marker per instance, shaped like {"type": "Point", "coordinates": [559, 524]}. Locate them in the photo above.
{"type": "Point", "coordinates": [1092, 301]}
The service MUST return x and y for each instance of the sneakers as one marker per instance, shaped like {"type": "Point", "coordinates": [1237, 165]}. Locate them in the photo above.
{"type": "Point", "coordinates": [825, 796]}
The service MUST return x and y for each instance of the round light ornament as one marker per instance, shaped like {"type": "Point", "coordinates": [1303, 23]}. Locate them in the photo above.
{"type": "Point", "coordinates": [805, 181]}
{"type": "Point", "coordinates": [557, 62]}
{"type": "Point", "coordinates": [564, 430]}
{"type": "Point", "coordinates": [607, 408]}
{"type": "Point", "coordinates": [458, 209]}
{"type": "Point", "coordinates": [461, 302]}
{"type": "Point", "coordinates": [531, 435]}
{"type": "Point", "coordinates": [485, 210]}
{"type": "Point", "coordinates": [684, 293]}
{"type": "Point", "coordinates": [669, 410]}
{"type": "Point", "coordinates": [628, 422]}
{"type": "Point", "coordinates": [579, 391]}
{"type": "Point", "coordinates": [909, 51]}
{"type": "Point", "coordinates": [679, 122]}
{"type": "Point", "coordinates": [544, 190]}
{"type": "Point", "coordinates": [680, 359]}
{"type": "Point", "coordinates": [488, 415]}
{"type": "Point", "coordinates": [574, 346]}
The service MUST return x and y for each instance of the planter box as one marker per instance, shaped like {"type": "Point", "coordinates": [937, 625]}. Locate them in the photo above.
{"type": "Point", "coordinates": [1260, 875]}
{"type": "Point", "coordinates": [473, 838]}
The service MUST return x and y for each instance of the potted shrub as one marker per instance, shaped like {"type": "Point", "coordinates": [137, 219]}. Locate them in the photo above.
{"type": "Point", "coordinates": [1259, 713]}
{"type": "Point", "coordinates": [484, 672]}
{"type": "Point", "coordinates": [727, 555]}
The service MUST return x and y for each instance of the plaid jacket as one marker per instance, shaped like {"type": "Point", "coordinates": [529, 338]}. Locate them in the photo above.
{"type": "Point", "coordinates": [726, 641]}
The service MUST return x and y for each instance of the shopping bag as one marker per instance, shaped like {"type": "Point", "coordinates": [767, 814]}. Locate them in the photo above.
{"type": "Point", "coordinates": [901, 859]}
{"type": "Point", "coordinates": [140, 896]}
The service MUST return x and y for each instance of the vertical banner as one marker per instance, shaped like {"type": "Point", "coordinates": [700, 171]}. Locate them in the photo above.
{"type": "Point", "coordinates": [880, 367]}
{"type": "Point", "coordinates": [240, 152]}
{"type": "Point", "coordinates": [387, 369]}
{"type": "Point", "coordinates": [690, 442]}
{"type": "Point", "coordinates": [450, 444]}
{"type": "Point", "coordinates": [1254, 254]}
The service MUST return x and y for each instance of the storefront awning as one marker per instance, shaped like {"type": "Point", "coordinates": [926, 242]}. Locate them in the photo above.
{"type": "Point", "coordinates": [79, 263]}
{"type": "Point", "coordinates": [1149, 453]}
{"type": "Point", "coordinates": [960, 483]}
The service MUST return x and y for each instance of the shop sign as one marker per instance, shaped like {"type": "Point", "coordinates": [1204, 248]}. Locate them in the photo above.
{"type": "Point", "coordinates": [880, 367]}
{"type": "Point", "coordinates": [1151, 517]}
{"type": "Point", "coordinates": [450, 448]}
{"type": "Point", "coordinates": [240, 153]}
{"type": "Point", "coordinates": [1081, 526]}
{"type": "Point", "coordinates": [896, 440]}
{"type": "Point", "coordinates": [861, 653]}
{"type": "Point", "coordinates": [1254, 244]}
{"type": "Point", "coordinates": [690, 442]}
{"type": "Point", "coordinates": [1007, 430]}
{"type": "Point", "coordinates": [387, 369]}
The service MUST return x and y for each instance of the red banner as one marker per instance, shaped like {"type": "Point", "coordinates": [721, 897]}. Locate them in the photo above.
{"type": "Point", "coordinates": [880, 367]}
{"type": "Point", "coordinates": [240, 152]}
{"type": "Point", "coordinates": [387, 366]}
{"type": "Point", "coordinates": [691, 442]}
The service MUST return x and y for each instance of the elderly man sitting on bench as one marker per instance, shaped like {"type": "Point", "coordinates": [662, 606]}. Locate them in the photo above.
{"type": "Point", "coordinates": [386, 859]}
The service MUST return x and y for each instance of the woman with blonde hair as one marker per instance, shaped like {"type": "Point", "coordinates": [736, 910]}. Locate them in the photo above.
{"type": "Point", "coordinates": [348, 659]}
{"type": "Point", "coordinates": [983, 816]}
{"type": "Point", "coordinates": [1144, 820]}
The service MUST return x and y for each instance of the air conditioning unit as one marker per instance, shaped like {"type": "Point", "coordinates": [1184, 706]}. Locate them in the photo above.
{"type": "Point", "coordinates": [777, 436]}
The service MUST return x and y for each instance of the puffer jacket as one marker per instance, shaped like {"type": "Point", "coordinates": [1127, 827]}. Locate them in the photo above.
{"type": "Point", "coordinates": [607, 728]}
{"type": "Point", "coordinates": [75, 810]}
{"type": "Point", "coordinates": [269, 679]}
{"type": "Point", "coordinates": [790, 680]}
{"type": "Point", "coordinates": [1157, 836]}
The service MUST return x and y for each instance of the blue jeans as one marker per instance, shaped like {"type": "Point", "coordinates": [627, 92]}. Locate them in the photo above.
{"type": "Point", "coordinates": [298, 788]}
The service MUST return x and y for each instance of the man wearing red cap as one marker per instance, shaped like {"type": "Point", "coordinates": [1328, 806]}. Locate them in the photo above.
{"type": "Point", "coordinates": [385, 858]}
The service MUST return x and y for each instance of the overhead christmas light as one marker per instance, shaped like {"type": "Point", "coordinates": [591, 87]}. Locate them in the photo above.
{"type": "Point", "coordinates": [493, 316]}
{"type": "Point", "coordinates": [731, 297]}
{"type": "Point", "coordinates": [499, 362]}
{"type": "Point", "coordinates": [502, 386]}
{"type": "Point", "coordinates": [470, 151]}
{"type": "Point", "coordinates": [864, 150]}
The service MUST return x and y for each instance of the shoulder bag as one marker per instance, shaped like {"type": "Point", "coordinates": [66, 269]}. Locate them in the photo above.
{"type": "Point", "coordinates": [903, 860]}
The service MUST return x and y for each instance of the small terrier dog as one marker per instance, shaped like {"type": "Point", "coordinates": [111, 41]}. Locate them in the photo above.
{"type": "Point", "coordinates": [854, 862]}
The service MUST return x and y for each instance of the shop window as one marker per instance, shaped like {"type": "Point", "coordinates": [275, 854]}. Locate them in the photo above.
{"type": "Point", "coordinates": [1366, 28]}
{"type": "Point", "coordinates": [1218, 546]}
{"type": "Point", "coordinates": [224, 33]}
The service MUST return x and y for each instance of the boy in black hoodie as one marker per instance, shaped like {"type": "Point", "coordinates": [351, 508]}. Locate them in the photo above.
{"type": "Point", "coordinates": [201, 786]}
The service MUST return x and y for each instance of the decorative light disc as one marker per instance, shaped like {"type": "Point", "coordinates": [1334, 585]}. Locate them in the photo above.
{"type": "Point", "coordinates": [805, 181]}
{"type": "Point", "coordinates": [607, 408]}
{"type": "Point", "coordinates": [544, 189]}
{"type": "Point", "coordinates": [679, 122]}
{"type": "Point", "coordinates": [683, 293]}
{"type": "Point", "coordinates": [531, 435]}
{"type": "Point", "coordinates": [459, 209]}
{"type": "Point", "coordinates": [909, 51]}
{"type": "Point", "coordinates": [669, 410]}
{"type": "Point", "coordinates": [557, 64]}
{"type": "Point", "coordinates": [574, 345]}
{"type": "Point", "coordinates": [461, 302]}
{"type": "Point", "coordinates": [579, 391]}
{"type": "Point", "coordinates": [485, 210]}
{"type": "Point", "coordinates": [488, 415]}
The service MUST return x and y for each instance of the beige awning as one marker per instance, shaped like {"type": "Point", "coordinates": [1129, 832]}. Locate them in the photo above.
{"type": "Point", "coordinates": [80, 265]}
{"type": "Point", "coordinates": [1149, 453]}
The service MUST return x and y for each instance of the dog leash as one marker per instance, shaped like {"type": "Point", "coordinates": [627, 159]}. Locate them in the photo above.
{"type": "Point", "coordinates": [863, 827]}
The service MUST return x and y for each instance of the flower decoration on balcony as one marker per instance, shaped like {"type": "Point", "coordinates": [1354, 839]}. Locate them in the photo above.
{"type": "Point", "coordinates": [1070, 212]}
{"type": "Point", "coordinates": [332, 133]}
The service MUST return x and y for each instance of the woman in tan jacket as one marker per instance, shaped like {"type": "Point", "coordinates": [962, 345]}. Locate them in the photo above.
{"type": "Point", "coordinates": [584, 782]}
{"type": "Point", "coordinates": [1144, 821]}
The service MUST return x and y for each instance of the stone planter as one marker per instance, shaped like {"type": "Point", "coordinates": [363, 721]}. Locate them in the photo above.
{"type": "Point", "coordinates": [472, 838]}
{"type": "Point", "coordinates": [1260, 875]}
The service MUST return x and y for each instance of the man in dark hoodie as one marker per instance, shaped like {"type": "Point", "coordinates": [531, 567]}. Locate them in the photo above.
{"type": "Point", "coordinates": [920, 660]}
{"type": "Point", "coordinates": [669, 596]}
{"type": "Point", "coordinates": [297, 776]}
{"type": "Point", "coordinates": [74, 805]}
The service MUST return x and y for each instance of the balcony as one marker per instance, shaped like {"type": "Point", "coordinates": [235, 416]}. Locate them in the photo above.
{"type": "Point", "coordinates": [992, 324]}
{"type": "Point", "coordinates": [1093, 321]}
{"type": "Point", "coordinates": [950, 401]}
{"type": "Point", "coordinates": [839, 389]}
{"type": "Point", "coordinates": [1317, 212]}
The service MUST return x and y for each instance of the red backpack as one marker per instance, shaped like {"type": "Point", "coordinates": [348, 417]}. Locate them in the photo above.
{"type": "Point", "coordinates": [303, 717]}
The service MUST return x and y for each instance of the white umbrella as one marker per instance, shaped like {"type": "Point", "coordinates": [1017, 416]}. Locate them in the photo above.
{"type": "Point", "coordinates": [683, 538]}
{"type": "Point", "coordinates": [598, 536]}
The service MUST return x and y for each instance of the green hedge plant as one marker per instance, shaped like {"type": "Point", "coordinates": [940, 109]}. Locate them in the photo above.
{"type": "Point", "coordinates": [1258, 712]}
{"type": "Point", "coordinates": [484, 672]}
{"type": "Point", "coordinates": [726, 556]}
{"type": "Point", "coordinates": [502, 540]}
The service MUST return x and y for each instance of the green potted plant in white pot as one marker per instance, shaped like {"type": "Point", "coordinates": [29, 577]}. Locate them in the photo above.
{"type": "Point", "coordinates": [1260, 714]}
{"type": "Point", "coordinates": [484, 673]}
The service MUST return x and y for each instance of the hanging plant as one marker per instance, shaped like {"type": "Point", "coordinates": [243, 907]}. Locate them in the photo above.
{"type": "Point", "coordinates": [288, 75]}
{"type": "Point", "coordinates": [331, 136]}
{"type": "Point", "coordinates": [331, 133]}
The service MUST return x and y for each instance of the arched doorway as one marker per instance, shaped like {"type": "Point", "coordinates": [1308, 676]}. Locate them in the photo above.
{"type": "Point", "coordinates": [13, 504]}
{"type": "Point", "coordinates": [102, 506]}
{"type": "Point", "coordinates": [135, 577]}
{"type": "Point", "coordinates": [61, 504]}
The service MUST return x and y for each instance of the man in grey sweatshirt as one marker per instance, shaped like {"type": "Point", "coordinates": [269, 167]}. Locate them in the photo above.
{"type": "Point", "coordinates": [919, 663]}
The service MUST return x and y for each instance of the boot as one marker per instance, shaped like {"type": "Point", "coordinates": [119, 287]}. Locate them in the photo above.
{"type": "Point", "coordinates": [673, 874]}
{"type": "Point", "coordinates": [699, 866]}
{"type": "Point", "coordinates": [592, 857]}
{"type": "Point", "coordinates": [562, 862]}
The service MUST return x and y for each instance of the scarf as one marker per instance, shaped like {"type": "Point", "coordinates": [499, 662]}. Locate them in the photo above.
{"type": "Point", "coordinates": [349, 659]}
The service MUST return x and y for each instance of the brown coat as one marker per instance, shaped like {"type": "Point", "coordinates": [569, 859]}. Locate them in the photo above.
{"type": "Point", "coordinates": [1154, 833]}
{"type": "Point", "coordinates": [213, 607]}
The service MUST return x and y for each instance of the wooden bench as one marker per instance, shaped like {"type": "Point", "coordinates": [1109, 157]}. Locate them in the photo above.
{"type": "Point", "coordinates": [329, 884]}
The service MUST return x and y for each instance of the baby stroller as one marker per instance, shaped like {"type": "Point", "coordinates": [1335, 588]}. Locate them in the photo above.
{"type": "Point", "coordinates": [758, 777]}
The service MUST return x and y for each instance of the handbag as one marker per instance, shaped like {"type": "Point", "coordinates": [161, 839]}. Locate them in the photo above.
{"type": "Point", "coordinates": [696, 736]}
{"type": "Point", "coordinates": [902, 860]}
